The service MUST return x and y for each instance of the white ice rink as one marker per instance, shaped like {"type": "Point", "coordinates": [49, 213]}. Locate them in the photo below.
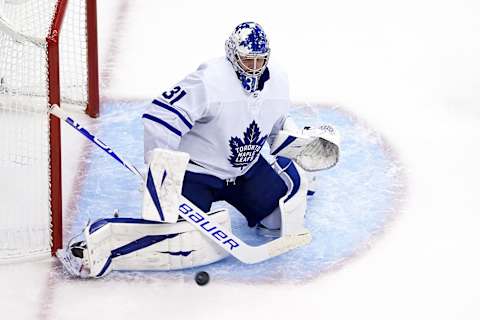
{"type": "Point", "coordinates": [409, 70]}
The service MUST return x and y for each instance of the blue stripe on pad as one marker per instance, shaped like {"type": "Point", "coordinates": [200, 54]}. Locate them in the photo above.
{"type": "Point", "coordinates": [153, 193]}
{"type": "Point", "coordinates": [164, 176]}
{"type": "Point", "coordinates": [283, 162]}
{"type": "Point", "coordinates": [285, 144]}
{"type": "Point", "coordinates": [102, 222]}
{"type": "Point", "coordinates": [178, 253]}
{"type": "Point", "coordinates": [290, 169]}
{"type": "Point", "coordinates": [141, 243]}
{"type": "Point", "coordinates": [135, 246]}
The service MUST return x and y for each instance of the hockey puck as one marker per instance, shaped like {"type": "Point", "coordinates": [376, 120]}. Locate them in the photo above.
{"type": "Point", "coordinates": [202, 278]}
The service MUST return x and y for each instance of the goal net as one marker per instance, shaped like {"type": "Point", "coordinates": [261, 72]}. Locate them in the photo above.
{"type": "Point", "coordinates": [47, 56]}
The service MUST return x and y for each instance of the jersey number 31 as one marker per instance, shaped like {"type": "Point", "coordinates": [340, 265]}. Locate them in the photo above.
{"type": "Point", "coordinates": [174, 95]}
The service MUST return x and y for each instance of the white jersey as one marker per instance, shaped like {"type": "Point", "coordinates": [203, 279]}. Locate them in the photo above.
{"type": "Point", "coordinates": [211, 117]}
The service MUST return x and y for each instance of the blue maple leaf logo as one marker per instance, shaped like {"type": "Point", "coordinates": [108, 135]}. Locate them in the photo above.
{"type": "Point", "coordinates": [243, 152]}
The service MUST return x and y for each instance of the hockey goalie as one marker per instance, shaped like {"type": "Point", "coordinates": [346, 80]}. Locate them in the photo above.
{"type": "Point", "coordinates": [203, 140]}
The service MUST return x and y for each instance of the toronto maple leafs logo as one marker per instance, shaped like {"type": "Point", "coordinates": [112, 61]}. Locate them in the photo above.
{"type": "Point", "coordinates": [243, 152]}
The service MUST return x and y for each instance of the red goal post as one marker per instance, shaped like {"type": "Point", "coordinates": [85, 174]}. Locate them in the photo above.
{"type": "Point", "coordinates": [48, 55]}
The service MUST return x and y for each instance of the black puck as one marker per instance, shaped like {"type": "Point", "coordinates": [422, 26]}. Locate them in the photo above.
{"type": "Point", "coordinates": [202, 278]}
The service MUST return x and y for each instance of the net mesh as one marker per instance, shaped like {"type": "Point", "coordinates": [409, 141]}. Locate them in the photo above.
{"type": "Point", "coordinates": [25, 213]}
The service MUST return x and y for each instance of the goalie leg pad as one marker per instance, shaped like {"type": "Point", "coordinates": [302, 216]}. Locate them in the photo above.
{"type": "Point", "coordinates": [163, 185]}
{"type": "Point", "coordinates": [137, 244]}
{"type": "Point", "coordinates": [293, 204]}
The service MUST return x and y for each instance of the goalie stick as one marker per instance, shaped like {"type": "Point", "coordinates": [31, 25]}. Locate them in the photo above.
{"type": "Point", "coordinates": [199, 219]}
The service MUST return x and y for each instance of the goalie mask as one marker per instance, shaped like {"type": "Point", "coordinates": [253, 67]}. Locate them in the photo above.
{"type": "Point", "coordinates": [248, 51]}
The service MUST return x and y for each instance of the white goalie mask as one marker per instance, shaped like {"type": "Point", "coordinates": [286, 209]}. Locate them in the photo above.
{"type": "Point", "coordinates": [248, 50]}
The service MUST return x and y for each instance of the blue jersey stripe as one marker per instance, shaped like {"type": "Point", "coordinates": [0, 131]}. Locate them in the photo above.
{"type": "Point", "coordinates": [171, 109]}
{"type": "Point", "coordinates": [164, 123]}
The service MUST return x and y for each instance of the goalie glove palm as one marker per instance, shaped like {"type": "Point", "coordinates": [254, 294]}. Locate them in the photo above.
{"type": "Point", "coordinates": [313, 149]}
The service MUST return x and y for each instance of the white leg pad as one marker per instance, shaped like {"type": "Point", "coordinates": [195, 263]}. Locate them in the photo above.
{"type": "Point", "coordinates": [136, 244]}
{"type": "Point", "coordinates": [293, 205]}
{"type": "Point", "coordinates": [163, 185]}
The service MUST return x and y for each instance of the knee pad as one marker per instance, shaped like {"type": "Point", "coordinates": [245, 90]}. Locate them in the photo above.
{"type": "Point", "coordinates": [293, 204]}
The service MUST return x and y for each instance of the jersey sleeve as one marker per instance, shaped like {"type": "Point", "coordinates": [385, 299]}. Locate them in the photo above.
{"type": "Point", "coordinates": [171, 115]}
